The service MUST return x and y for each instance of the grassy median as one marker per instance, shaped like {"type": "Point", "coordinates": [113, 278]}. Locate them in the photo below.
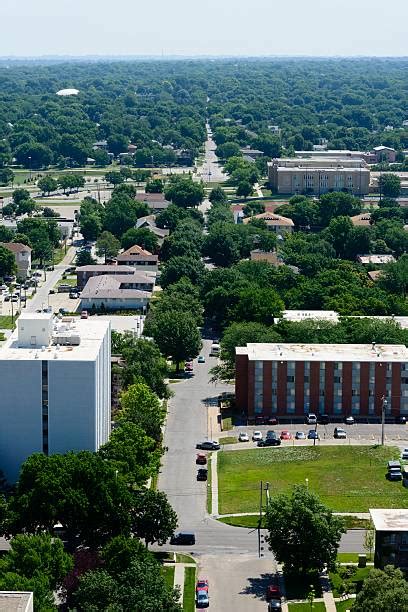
{"type": "Point", "coordinates": [347, 478]}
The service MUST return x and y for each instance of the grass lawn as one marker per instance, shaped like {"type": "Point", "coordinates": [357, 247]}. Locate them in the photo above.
{"type": "Point", "coordinates": [5, 322]}
{"type": "Point", "coordinates": [59, 255]}
{"type": "Point", "coordinates": [249, 522]}
{"type": "Point", "coordinates": [226, 423]}
{"type": "Point", "coordinates": [168, 572]}
{"type": "Point", "coordinates": [346, 604]}
{"type": "Point", "coordinates": [209, 489]}
{"type": "Point", "coordinates": [348, 479]}
{"type": "Point", "coordinates": [347, 557]}
{"type": "Point", "coordinates": [182, 558]}
{"type": "Point", "coordinates": [71, 280]}
{"type": "Point", "coordinates": [318, 606]}
{"type": "Point", "coordinates": [228, 440]}
{"type": "Point", "coordinates": [189, 589]}
{"type": "Point", "coordinates": [346, 578]}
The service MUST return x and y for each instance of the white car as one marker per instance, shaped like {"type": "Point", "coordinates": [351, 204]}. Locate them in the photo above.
{"type": "Point", "coordinates": [243, 437]}
{"type": "Point", "coordinates": [311, 418]}
{"type": "Point", "coordinates": [404, 454]}
{"type": "Point", "coordinates": [256, 436]}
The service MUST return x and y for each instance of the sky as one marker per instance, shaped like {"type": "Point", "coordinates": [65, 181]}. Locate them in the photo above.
{"type": "Point", "coordinates": [208, 27]}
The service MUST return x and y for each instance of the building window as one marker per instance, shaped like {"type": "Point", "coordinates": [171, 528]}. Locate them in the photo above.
{"type": "Point", "coordinates": [44, 387]}
{"type": "Point", "coordinates": [337, 379]}
{"type": "Point", "coordinates": [306, 379]}
{"type": "Point", "coordinates": [290, 379]}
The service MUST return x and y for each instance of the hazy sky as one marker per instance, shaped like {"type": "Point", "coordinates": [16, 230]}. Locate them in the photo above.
{"type": "Point", "coordinates": [207, 27]}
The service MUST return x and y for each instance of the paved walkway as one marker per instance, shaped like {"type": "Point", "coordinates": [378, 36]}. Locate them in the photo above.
{"type": "Point", "coordinates": [327, 593]}
{"type": "Point", "coordinates": [179, 579]}
{"type": "Point", "coordinates": [360, 515]}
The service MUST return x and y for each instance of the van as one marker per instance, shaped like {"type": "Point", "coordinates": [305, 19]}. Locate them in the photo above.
{"type": "Point", "coordinates": [215, 349]}
{"type": "Point", "coordinates": [183, 538]}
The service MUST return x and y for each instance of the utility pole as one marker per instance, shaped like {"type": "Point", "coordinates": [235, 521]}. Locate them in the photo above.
{"type": "Point", "coordinates": [260, 519]}
{"type": "Point", "coordinates": [383, 408]}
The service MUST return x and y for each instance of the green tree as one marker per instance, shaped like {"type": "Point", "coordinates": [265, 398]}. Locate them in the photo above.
{"type": "Point", "coordinates": [184, 192]}
{"type": "Point", "coordinates": [244, 189]}
{"type": "Point", "coordinates": [153, 518]}
{"type": "Point", "coordinates": [217, 195]}
{"type": "Point", "coordinates": [261, 305]}
{"type": "Point", "coordinates": [114, 178]}
{"type": "Point", "coordinates": [141, 236]}
{"type": "Point", "coordinates": [176, 335]}
{"type": "Point", "coordinates": [385, 590]}
{"type": "Point", "coordinates": [20, 194]}
{"type": "Point", "coordinates": [133, 452]}
{"type": "Point", "coordinates": [107, 245]}
{"type": "Point", "coordinates": [389, 185]}
{"type": "Point", "coordinates": [177, 267]}
{"type": "Point", "coordinates": [122, 212]}
{"type": "Point", "coordinates": [6, 175]}
{"type": "Point", "coordinates": [394, 276]}
{"type": "Point", "coordinates": [47, 184]}
{"type": "Point", "coordinates": [120, 552]}
{"type": "Point", "coordinates": [38, 584]}
{"type": "Point", "coordinates": [303, 534]}
{"type": "Point", "coordinates": [91, 226]}
{"type": "Point", "coordinates": [154, 186]}
{"type": "Point", "coordinates": [6, 234]}
{"type": "Point", "coordinates": [139, 405]}
{"type": "Point", "coordinates": [126, 172]}
{"type": "Point", "coordinates": [170, 217]}
{"type": "Point", "coordinates": [253, 208]}
{"type": "Point", "coordinates": [101, 158]}
{"type": "Point", "coordinates": [84, 258]}
{"type": "Point", "coordinates": [33, 155]}
{"type": "Point", "coordinates": [7, 262]}
{"type": "Point", "coordinates": [32, 555]}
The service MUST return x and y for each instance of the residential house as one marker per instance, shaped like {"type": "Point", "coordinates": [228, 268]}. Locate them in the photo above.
{"type": "Point", "coordinates": [375, 259]}
{"type": "Point", "coordinates": [22, 256]}
{"type": "Point", "coordinates": [149, 222]}
{"type": "Point", "coordinates": [84, 273]}
{"type": "Point", "coordinates": [361, 220]}
{"type": "Point", "coordinates": [275, 223]}
{"type": "Point", "coordinates": [138, 258]}
{"type": "Point", "coordinates": [117, 292]}
{"type": "Point", "coordinates": [155, 201]}
{"type": "Point", "coordinates": [387, 154]}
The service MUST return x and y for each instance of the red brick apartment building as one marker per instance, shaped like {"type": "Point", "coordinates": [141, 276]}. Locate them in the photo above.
{"type": "Point", "coordinates": [335, 379]}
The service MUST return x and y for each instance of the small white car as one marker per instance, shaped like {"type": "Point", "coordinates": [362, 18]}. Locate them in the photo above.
{"type": "Point", "coordinates": [256, 436]}
{"type": "Point", "coordinates": [243, 437]}
{"type": "Point", "coordinates": [311, 418]}
{"type": "Point", "coordinates": [404, 454]}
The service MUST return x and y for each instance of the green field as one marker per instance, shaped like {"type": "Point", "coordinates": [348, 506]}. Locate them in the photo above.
{"type": "Point", "coordinates": [6, 322]}
{"type": "Point", "coordinates": [318, 606]}
{"type": "Point", "coordinates": [189, 589]}
{"type": "Point", "coordinates": [346, 604]}
{"type": "Point", "coordinates": [168, 572]}
{"type": "Point", "coordinates": [348, 479]}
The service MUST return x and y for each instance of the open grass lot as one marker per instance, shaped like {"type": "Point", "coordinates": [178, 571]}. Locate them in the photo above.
{"type": "Point", "coordinates": [168, 572]}
{"type": "Point", "coordinates": [6, 322]}
{"type": "Point", "coordinates": [346, 604]}
{"type": "Point", "coordinates": [318, 606]}
{"type": "Point", "coordinates": [348, 479]}
{"type": "Point", "coordinates": [348, 579]}
{"type": "Point", "coordinates": [189, 589]}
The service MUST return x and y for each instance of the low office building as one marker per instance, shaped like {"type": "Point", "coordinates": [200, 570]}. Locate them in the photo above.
{"type": "Point", "coordinates": [318, 175]}
{"type": "Point", "coordinates": [274, 223]}
{"type": "Point", "coordinates": [84, 273]}
{"type": "Point", "coordinates": [156, 201]}
{"type": "Point", "coordinates": [382, 153]}
{"type": "Point", "coordinates": [54, 388]}
{"type": "Point", "coordinates": [22, 256]}
{"type": "Point", "coordinates": [116, 292]}
{"type": "Point", "coordinates": [336, 379]}
{"type": "Point", "coordinates": [138, 258]}
{"type": "Point", "coordinates": [375, 259]}
{"type": "Point", "coordinates": [391, 537]}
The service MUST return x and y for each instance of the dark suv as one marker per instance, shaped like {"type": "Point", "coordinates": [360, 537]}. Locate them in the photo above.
{"type": "Point", "coordinates": [272, 439]}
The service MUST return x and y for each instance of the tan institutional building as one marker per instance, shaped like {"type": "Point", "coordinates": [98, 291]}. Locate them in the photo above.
{"type": "Point", "coordinates": [315, 176]}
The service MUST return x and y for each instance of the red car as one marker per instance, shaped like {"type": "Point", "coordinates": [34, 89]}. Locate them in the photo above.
{"type": "Point", "coordinates": [272, 592]}
{"type": "Point", "coordinates": [201, 459]}
{"type": "Point", "coordinates": [285, 435]}
{"type": "Point", "coordinates": [202, 585]}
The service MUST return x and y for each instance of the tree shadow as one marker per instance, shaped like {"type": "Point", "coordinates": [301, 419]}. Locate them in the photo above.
{"type": "Point", "coordinates": [257, 586]}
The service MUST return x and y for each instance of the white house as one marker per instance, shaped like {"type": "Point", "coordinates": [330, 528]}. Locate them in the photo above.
{"type": "Point", "coordinates": [22, 255]}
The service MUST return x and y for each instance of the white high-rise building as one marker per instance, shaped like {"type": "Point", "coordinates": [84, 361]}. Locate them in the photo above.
{"type": "Point", "coordinates": [54, 388]}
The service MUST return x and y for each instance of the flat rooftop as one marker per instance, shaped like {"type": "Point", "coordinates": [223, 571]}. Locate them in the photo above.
{"type": "Point", "coordinates": [324, 352]}
{"type": "Point", "coordinates": [16, 601]}
{"type": "Point", "coordinates": [91, 332]}
{"type": "Point", "coordinates": [390, 519]}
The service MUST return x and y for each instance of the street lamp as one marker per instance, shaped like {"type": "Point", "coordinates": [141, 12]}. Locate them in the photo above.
{"type": "Point", "coordinates": [384, 404]}
{"type": "Point", "coordinates": [29, 165]}
{"type": "Point", "coordinates": [307, 483]}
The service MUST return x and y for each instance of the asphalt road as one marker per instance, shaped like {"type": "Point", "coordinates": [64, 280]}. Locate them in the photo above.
{"type": "Point", "coordinates": [210, 171]}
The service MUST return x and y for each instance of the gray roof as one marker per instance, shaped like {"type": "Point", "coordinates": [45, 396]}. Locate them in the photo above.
{"type": "Point", "coordinates": [107, 286]}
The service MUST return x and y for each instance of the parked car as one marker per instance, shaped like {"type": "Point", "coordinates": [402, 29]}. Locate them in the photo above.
{"type": "Point", "coordinates": [270, 442]}
{"type": "Point", "coordinates": [300, 435]}
{"type": "Point", "coordinates": [271, 434]}
{"type": "Point", "coordinates": [243, 437]}
{"type": "Point", "coordinates": [275, 605]}
{"type": "Point", "coordinates": [311, 418]}
{"type": "Point", "coordinates": [3, 287]}
{"type": "Point", "coordinates": [401, 420]}
{"type": "Point", "coordinates": [272, 421]}
{"type": "Point", "coordinates": [394, 474]}
{"type": "Point", "coordinates": [188, 367]}
{"type": "Point", "coordinates": [208, 445]}
{"type": "Point", "coordinates": [84, 314]}
{"type": "Point", "coordinates": [272, 592]}
{"type": "Point", "coordinates": [201, 459]}
{"type": "Point", "coordinates": [404, 454]}
{"type": "Point", "coordinates": [323, 419]}
{"type": "Point", "coordinates": [202, 474]}
{"type": "Point", "coordinates": [183, 537]}
{"type": "Point", "coordinates": [201, 359]}
{"type": "Point", "coordinates": [7, 297]}
{"type": "Point", "coordinates": [14, 298]}
{"type": "Point", "coordinates": [339, 433]}
{"type": "Point", "coordinates": [313, 435]}
{"type": "Point", "coordinates": [202, 599]}
{"type": "Point", "coordinates": [257, 435]}
{"type": "Point", "coordinates": [349, 420]}
{"type": "Point", "coordinates": [285, 435]}
{"type": "Point", "coordinates": [63, 311]}
{"type": "Point", "coordinates": [202, 584]}
{"type": "Point", "coordinates": [73, 295]}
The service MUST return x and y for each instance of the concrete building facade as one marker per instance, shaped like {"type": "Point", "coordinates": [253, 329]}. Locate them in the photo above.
{"type": "Point", "coordinates": [391, 537]}
{"type": "Point", "coordinates": [315, 176]}
{"type": "Point", "coordinates": [341, 379]}
{"type": "Point", "coordinates": [54, 388]}
{"type": "Point", "coordinates": [138, 258]}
